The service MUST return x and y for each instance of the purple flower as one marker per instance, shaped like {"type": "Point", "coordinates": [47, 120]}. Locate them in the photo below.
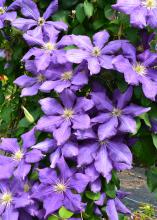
{"type": "Point", "coordinates": [18, 159]}
{"type": "Point", "coordinates": [140, 71]}
{"type": "Point", "coordinates": [5, 13]}
{"type": "Point", "coordinates": [142, 12]}
{"type": "Point", "coordinates": [56, 190]}
{"type": "Point", "coordinates": [30, 85]}
{"type": "Point", "coordinates": [115, 115]}
{"type": "Point", "coordinates": [48, 49]}
{"type": "Point", "coordinates": [60, 119]}
{"type": "Point", "coordinates": [12, 199]}
{"type": "Point", "coordinates": [102, 156]}
{"type": "Point", "coordinates": [97, 54]}
{"type": "Point", "coordinates": [63, 76]}
{"type": "Point", "coordinates": [34, 20]}
{"type": "Point", "coordinates": [68, 150]}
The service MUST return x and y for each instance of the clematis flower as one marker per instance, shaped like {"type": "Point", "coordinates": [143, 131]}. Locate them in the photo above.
{"type": "Point", "coordinates": [30, 84]}
{"type": "Point", "coordinates": [18, 159]}
{"type": "Point", "coordinates": [68, 150]}
{"type": "Point", "coordinates": [12, 199]}
{"type": "Point", "coordinates": [141, 71]}
{"type": "Point", "coordinates": [6, 13]}
{"type": "Point", "coordinates": [99, 54]}
{"type": "Point", "coordinates": [56, 190]}
{"type": "Point", "coordinates": [45, 49]}
{"type": "Point", "coordinates": [60, 119]}
{"type": "Point", "coordinates": [102, 156]}
{"type": "Point", "coordinates": [142, 12]}
{"type": "Point", "coordinates": [63, 76]}
{"type": "Point", "coordinates": [115, 115]}
{"type": "Point", "coordinates": [33, 19]}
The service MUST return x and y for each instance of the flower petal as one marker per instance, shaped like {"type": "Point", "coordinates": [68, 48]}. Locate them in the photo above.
{"type": "Point", "coordinates": [127, 124]}
{"type": "Point", "coordinates": [51, 9]}
{"type": "Point", "coordinates": [81, 122]}
{"type": "Point", "coordinates": [76, 55]}
{"type": "Point", "coordinates": [50, 106]}
{"type": "Point", "coordinates": [100, 38]}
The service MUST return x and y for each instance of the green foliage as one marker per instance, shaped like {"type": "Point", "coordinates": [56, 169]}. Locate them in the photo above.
{"type": "Point", "coordinates": [64, 213]}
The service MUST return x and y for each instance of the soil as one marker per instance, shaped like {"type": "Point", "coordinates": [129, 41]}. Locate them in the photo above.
{"type": "Point", "coordinates": [134, 181]}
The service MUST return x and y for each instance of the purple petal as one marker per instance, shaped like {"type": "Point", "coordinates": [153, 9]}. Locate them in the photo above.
{"type": "Point", "coordinates": [54, 157]}
{"type": "Point", "coordinates": [58, 25]}
{"type": "Point", "coordinates": [23, 24]}
{"type": "Point", "coordinates": [46, 145]}
{"type": "Point", "coordinates": [86, 154]}
{"type": "Point", "coordinates": [10, 213]}
{"type": "Point", "coordinates": [68, 98]}
{"type": "Point", "coordinates": [79, 182]}
{"type": "Point", "coordinates": [108, 129]}
{"type": "Point", "coordinates": [65, 171]}
{"type": "Point", "coordinates": [103, 163]}
{"type": "Point", "coordinates": [100, 38]}
{"type": "Point", "coordinates": [81, 122]}
{"type": "Point", "coordinates": [82, 42]}
{"type": "Point", "coordinates": [138, 17]}
{"type": "Point", "coordinates": [149, 88]}
{"type": "Point", "coordinates": [80, 79]}
{"type": "Point", "coordinates": [9, 145]}
{"type": "Point", "coordinates": [101, 118]}
{"type": "Point", "coordinates": [62, 134]}
{"type": "Point", "coordinates": [111, 210]}
{"type": "Point", "coordinates": [70, 149]}
{"type": "Point", "coordinates": [91, 172]}
{"type": "Point", "coordinates": [122, 65]}
{"type": "Point", "coordinates": [128, 7]}
{"type": "Point", "coordinates": [28, 139]}
{"type": "Point", "coordinates": [53, 203]}
{"type": "Point", "coordinates": [127, 124]}
{"type": "Point", "coordinates": [73, 202]}
{"type": "Point", "coordinates": [135, 110]}
{"type": "Point", "coordinates": [152, 18]}
{"type": "Point", "coordinates": [121, 207]}
{"type": "Point", "coordinates": [29, 9]}
{"type": "Point", "coordinates": [22, 201]}
{"type": "Point", "coordinates": [6, 171]}
{"type": "Point", "coordinates": [124, 98]}
{"type": "Point", "coordinates": [96, 186]}
{"type": "Point", "coordinates": [47, 176]}
{"type": "Point", "coordinates": [22, 170]}
{"type": "Point", "coordinates": [48, 123]}
{"type": "Point", "coordinates": [83, 104]}
{"type": "Point", "coordinates": [10, 16]}
{"type": "Point", "coordinates": [51, 9]}
{"type": "Point", "coordinates": [93, 65]}
{"type": "Point", "coordinates": [50, 106]}
{"type": "Point", "coordinates": [30, 91]}
{"type": "Point", "coordinates": [76, 55]}
{"type": "Point", "coordinates": [101, 101]}
{"type": "Point", "coordinates": [25, 81]}
{"type": "Point", "coordinates": [33, 156]}
{"type": "Point", "coordinates": [42, 62]}
{"type": "Point", "coordinates": [106, 61]}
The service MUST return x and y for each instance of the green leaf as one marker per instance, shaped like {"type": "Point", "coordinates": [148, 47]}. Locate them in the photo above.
{"type": "Point", "coordinates": [64, 213]}
{"type": "Point", "coordinates": [28, 115]}
{"type": "Point", "coordinates": [145, 117]}
{"type": "Point", "coordinates": [34, 175]}
{"type": "Point", "coordinates": [98, 24]}
{"type": "Point", "coordinates": [138, 125]}
{"type": "Point", "coordinates": [152, 179]}
{"type": "Point", "coordinates": [88, 9]}
{"type": "Point", "coordinates": [154, 137]}
{"type": "Point", "coordinates": [92, 196]}
{"type": "Point", "coordinates": [80, 14]}
{"type": "Point", "coordinates": [110, 190]}
{"type": "Point", "coordinates": [53, 217]}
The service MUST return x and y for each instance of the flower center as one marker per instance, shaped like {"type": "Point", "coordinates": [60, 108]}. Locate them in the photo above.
{"type": "Point", "coordinates": [140, 69]}
{"type": "Point", "coordinates": [102, 142]}
{"type": "Point", "coordinates": [41, 21]}
{"type": "Point", "coordinates": [116, 112]}
{"type": "Point", "coordinates": [150, 4]}
{"type": "Point", "coordinates": [18, 155]}
{"type": "Point", "coordinates": [49, 46]}
{"type": "Point", "coordinates": [68, 113]}
{"type": "Point", "coordinates": [2, 10]}
{"type": "Point", "coordinates": [6, 198]}
{"type": "Point", "coordinates": [96, 52]}
{"type": "Point", "coordinates": [66, 75]}
{"type": "Point", "coordinates": [60, 187]}
{"type": "Point", "coordinates": [26, 188]}
{"type": "Point", "coordinates": [41, 78]}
